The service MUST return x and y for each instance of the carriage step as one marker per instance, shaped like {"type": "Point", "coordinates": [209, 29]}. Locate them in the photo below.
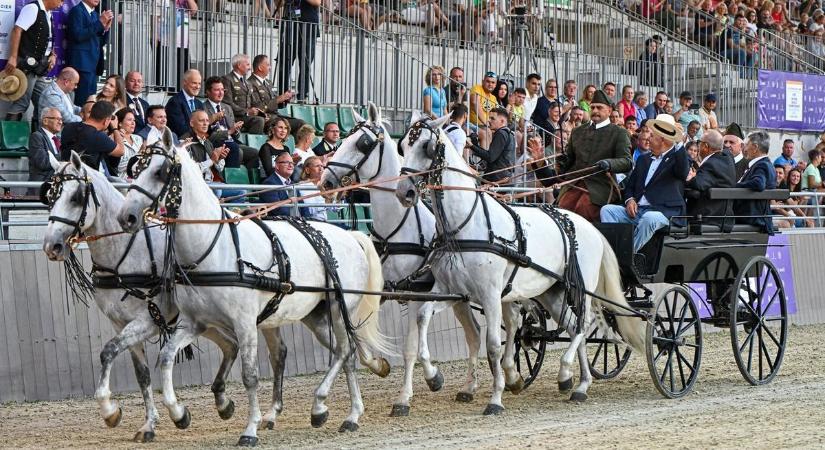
{"type": "Point", "coordinates": [640, 304]}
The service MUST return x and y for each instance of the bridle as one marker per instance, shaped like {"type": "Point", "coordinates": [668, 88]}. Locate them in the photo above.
{"type": "Point", "coordinates": [435, 151]}
{"type": "Point", "coordinates": [371, 137]}
{"type": "Point", "coordinates": [169, 174]}
{"type": "Point", "coordinates": [51, 190]}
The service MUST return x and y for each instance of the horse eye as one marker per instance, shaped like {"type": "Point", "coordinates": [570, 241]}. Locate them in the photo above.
{"type": "Point", "coordinates": [77, 197]}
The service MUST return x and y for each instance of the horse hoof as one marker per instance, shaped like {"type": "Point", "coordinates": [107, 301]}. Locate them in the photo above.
{"type": "Point", "coordinates": [115, 419]}
{"type": "Point", "coordinates": [400, 411]}
{"type": "Point", "coordinates": [565, 386]}
{"type": "Point", "coordinates": [227, 412]}
{"type": "Point", "coordinates": [493, 410]}
{"type": "Point", "coordinates": [247, 441]}
{"type": "Point", "coordinates": [516, 387]}
{"type": "Point", "coordinates": [318, 420]}
{"type": "Point", "coordinates": [184, 422]}
{"type": "Point", "coordinates": [384, 369]}
{"type": "Point", "coordinates": [578, 397]}
{"type": "Point", "coordinates": [144, 437]}
{"type": "Point", "coordinates": [464, 397]}
{"type": "Point", "coordinates": [437, 382]}
{"type": "Point", "coordinates": [348, 426]}
{"type": "Point", "coordinates": [269, 425]}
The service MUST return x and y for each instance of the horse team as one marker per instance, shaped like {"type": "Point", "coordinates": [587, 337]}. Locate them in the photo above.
{"type": "Point", "coordinates": [206, 244]}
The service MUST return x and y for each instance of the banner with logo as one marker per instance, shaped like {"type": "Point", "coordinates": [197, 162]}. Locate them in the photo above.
{"type": "Point", "coordinates": [9, 9]}
{"type": "Point", "coordinates": [7, 15]}
{"type": "Point", "coordinates": [791, 101]}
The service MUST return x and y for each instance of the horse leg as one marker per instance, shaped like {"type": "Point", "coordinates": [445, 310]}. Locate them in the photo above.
{"type": "Point", "coordinates": [143, 375]}
{"type": "Point", "coordinates": [248, 347]}
{"type": "Point", "coordinates": [472, 334]}
{"type": "Point", "coordinates": [492, 315]}
{"type": "Point", "coordinates": [585, 378]}
{"type": "Point", "coordinates": [343, 345]}
{"type": "Point", "coordinates": [553, 300]}
{"type": "Point", "coordinates": [432, 375]}
{"type": "Point", "coordinates": [229, 349]}
{"type": "Point", "coordinates": [401, 406]}
{"type": "Point", "coordinates": [277, 359]}
{"type": "Point", "coordinates": [134, 332]}
{"type": "Point", "coordinates": [513, 380]}
{"type": "Point", "coordinates": [180, 338]}
{"type": "Point", "coordinates": [318, 323]}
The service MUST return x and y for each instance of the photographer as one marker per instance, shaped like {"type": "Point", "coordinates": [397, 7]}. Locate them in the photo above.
{"type": "Point", "coordinates": [688, 112]}
{"type": "Point", "coordinates": [94, 138]}
{"type": "Point", "coordinates": [502, 148]}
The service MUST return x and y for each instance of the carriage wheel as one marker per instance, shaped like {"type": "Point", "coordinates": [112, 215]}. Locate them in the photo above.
{"type": "Point", "coordinates": [611, 353]}
{"type": "Point", "coordinates": [530, 342]}
{"type": "Point", "coordinates": [674, 342]}
{"type": "Point", "coordinates": [715, 267]}
{"type": "Point", "coordinates": [759, 321]}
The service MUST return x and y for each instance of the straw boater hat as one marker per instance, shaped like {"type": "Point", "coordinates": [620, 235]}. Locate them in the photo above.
{"type": "Point", "coordinates": [665, 126]}
{"type": "Point", "coordinates": [13, 86]}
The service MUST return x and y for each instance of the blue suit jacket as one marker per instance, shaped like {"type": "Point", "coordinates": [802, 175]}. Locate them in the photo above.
{"type": "Point", "coordinates": [140, 121]}
{"type": "Point", "coordinates": [276, 196]}
{"type": "Point", "coordinates": [666, 190]}
{"type": "Point", "coordinates": [85, 38]}
{"type": "Point", "coordinates": [758, 178]}
{"type": "Point", "coordinates": [178, 113]}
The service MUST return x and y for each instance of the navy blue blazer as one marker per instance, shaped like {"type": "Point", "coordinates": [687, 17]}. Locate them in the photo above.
{"type": "Point", "coordinates": [276, 196]}
{"type": "Point", "coordinates": [140, 119]}
{"type": "Point", "coordinates": [759, 177]}
{"type": "Point", "coordinates": [85, 38]}
{"type": "Point", "coordinates": [178, 113]}
{"type": "Point", "coordinates": [666, 190]}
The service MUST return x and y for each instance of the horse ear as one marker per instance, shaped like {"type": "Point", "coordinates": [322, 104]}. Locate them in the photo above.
{"type": "Point", "coordinates": [53, 161]}
{"type": "Point", "coordinates": [75, 160]}
{"type": "Point", "coordinates": [440, 122]}
{"type": "Point", "coordinates": [167, 139]}
{"type": "Point", "coordinates": [357, 116]}
{"type": "Point", "coordinates": [373, 113]}
{"type": "Point", "coordinates": [416, 116]}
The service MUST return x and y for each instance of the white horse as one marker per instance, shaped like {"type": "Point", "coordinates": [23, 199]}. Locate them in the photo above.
{"type": "Point", "coordinates": [83, 202]}
{"type": "Point", "coordinates": [483, 275]}
{"type": "Point", "coordinates": [369, 154]}
{"type": "Point", "coordinates": [208, 249]}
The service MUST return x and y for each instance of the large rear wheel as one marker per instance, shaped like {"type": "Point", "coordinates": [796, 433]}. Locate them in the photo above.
{"type": "Point", "coordinates": [758, 321]}
{"type": "Point", "coordinates": [674, 342]}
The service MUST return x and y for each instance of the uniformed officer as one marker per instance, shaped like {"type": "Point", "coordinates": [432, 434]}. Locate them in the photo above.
{"type": "Point", "coordinates": [266, 98]}
{"type": "Point", "coordinates": [238, 96]}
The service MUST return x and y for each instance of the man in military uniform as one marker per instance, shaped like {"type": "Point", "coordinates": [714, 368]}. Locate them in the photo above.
{"type": "Point", "coordinates": [600, 144]}
{"type": "Point", "coordinates": [265, 97]}
{"type": "Point", "coordinates": [238, 96]}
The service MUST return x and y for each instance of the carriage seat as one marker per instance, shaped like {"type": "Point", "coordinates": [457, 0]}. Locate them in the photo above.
{"type": "Point", "coordinates": [699, 227]}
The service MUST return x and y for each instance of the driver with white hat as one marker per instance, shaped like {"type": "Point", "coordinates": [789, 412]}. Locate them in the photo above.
{"type": "Point", "coordinates": [655, 188]}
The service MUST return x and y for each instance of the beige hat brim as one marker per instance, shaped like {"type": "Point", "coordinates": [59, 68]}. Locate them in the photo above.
{"type": "Point", "coordinates": [24, 83]}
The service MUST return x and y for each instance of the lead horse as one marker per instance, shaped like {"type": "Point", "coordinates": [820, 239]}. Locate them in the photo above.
{"type": "Point", "coordinates": [403, 236]}
{"type": "Point", "coordinates": [494, 254]}
{"type": "Point", "coordinates": [128, 274]}
{"type": "Point", "coordinates": [268, 273]}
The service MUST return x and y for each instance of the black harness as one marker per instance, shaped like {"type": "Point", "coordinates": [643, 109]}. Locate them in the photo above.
{"type": "Point", "coordinates": [514, 249]}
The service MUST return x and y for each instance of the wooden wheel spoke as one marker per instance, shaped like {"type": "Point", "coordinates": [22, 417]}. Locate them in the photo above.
{"type": "Point", "coordinates": [767, 358]}
{"type": "Point", "coordinates": [687, 327]}
{"type": "Point", "coordinates": [767, 307]}
{"type": "Point", "coordinates": [748, 339]}
{"type": "Point", "coordinates": [686, 362]}
{"type": "Point", "coordinates": [681, 368]}
{"type": "Point", "coordinates": [771, 335]}
{"type": "Point", "coordinates": [596, 356]}
{"type": "Point", "coordinates": [670, 371]}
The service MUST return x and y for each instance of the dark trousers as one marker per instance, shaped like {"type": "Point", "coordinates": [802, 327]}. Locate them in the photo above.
{"type": "Point", "coordinates": [85, 87]}
{"type": "Point", "coordinates": [297, 43]}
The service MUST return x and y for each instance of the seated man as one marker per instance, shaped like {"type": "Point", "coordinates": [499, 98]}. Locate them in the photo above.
{"type": "Point", "coordinates": [284, 167]}
{"type": "Point", "coordinates": [655, 187]}
{"type": "Point", "coordinates": [715, 171]}
{"type": "Point", "coordinates": [211, 160]}
{"type": "Point", "coordinates": [759, 176]}
{"type": "Point", "coordinates": [155, 125]}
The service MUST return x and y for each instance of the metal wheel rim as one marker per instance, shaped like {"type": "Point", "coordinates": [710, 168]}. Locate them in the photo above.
{"type": "Point", "coordinates": [753, 326]}
{"type": "Point", "coordinates": [674, 343]}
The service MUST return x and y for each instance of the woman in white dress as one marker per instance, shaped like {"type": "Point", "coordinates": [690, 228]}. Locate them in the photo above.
{"type": "Point", "coordinates": [131, 141]}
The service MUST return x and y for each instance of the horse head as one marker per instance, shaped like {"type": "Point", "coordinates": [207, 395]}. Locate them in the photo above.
{"type": "Point", "coordinates": [156, 172]}
{"type": "Point", "coordinates": [359, 157]}
{"type": "Point", "coordinates": [72, 201]}
{"type": "Point", "coordinates": [423, 148]}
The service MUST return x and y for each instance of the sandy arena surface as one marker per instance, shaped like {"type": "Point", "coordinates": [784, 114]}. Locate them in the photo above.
{"type": "Point", "coordinates": [627, 412]}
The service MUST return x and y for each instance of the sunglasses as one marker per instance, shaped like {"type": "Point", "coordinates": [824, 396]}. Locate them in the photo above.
{"type": "Point", "coordinates": [491, 75]}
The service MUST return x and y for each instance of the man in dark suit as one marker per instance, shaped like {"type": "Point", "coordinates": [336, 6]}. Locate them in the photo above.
{"type": "Point", "coordinates": [284, 167]}
{"type": "Point", "coordinates": [86, 32]}
{"type": "Point", "coordinates": [180, 107]}
{"type": "Point", "coordinates": [715, 171]}
{"type": "Point", "coordinates": [42, 142]}
{"type": "Point", "coordinates": [655, 189]}
{"type": "Point", "coordinates": [600, 144]}
{"type": "Point", "coordinates": [139, 106]}
{"type": "Point", "coordinates": [329, 143]}
{"type": "Point", "coordinates": [224, 129]}
{"type": "Point", "coordinates": [155, 126]}
{"type": "Point", "coordinates": [759, 176]}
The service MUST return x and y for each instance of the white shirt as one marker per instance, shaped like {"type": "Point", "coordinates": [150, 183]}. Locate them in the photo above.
{"type": "Point", "coordinates": [707, 158]}
{"type": "Point", "coordinates": [655, 162]}
{"type": "Point", "coordinates": [754, 160]}
{"type": "Point", "coordinates": [738, 158]}
{"type": "Point", "coordinates": [304, 154]}
{"type": "Point", "coordinates": [457, 136]}
{"type": "Point", "coordinates": [189, 100]}
{"type": "Point", "coordinates": [89, 9]}
{"type": "Point", "coordinates": [603, 123]}
{"type": "Point", "coordinates": [530, 106]}
{"type": "Point", "coordinates": [50, 138]}
{"type": "Point", "coordinates": [27, 17]}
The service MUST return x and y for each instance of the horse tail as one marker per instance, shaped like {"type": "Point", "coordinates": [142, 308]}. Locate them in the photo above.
{"type": "Point", "coordinates": [632, 329]}
{"type": "Point", "coordinates": [366, 315]}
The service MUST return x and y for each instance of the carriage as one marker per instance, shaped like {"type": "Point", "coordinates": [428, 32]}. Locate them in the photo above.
{"type": "Point", "coordinates": [716, 274]}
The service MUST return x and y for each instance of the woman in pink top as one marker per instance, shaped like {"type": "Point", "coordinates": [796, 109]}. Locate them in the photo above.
{"type": "Point", "coordinates": [626, 108]}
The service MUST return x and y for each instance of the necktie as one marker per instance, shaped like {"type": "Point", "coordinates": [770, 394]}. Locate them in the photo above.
{"type": "Point", "coordinates": [138, 106]}
{"type": "Point", "coordinates": [192, 105]}
{"type": "Point", "coordinates": [56, 141]}
{"type": "Point", "coordinates": [243, 81]}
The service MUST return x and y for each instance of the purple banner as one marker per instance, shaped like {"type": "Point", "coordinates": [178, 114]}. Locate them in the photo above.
{"type": "Point", "coordinates": [59, 18]}
{"type": "Point", "coordinates": [780, 255]}
{"type": "Point", "coordinates": [791, 101]}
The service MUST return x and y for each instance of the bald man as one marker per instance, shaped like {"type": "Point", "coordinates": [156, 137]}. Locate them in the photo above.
{"type": "Point", "coordinates": [56, 95]}
{"type": "Point", "coordinates": [715, 171]}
